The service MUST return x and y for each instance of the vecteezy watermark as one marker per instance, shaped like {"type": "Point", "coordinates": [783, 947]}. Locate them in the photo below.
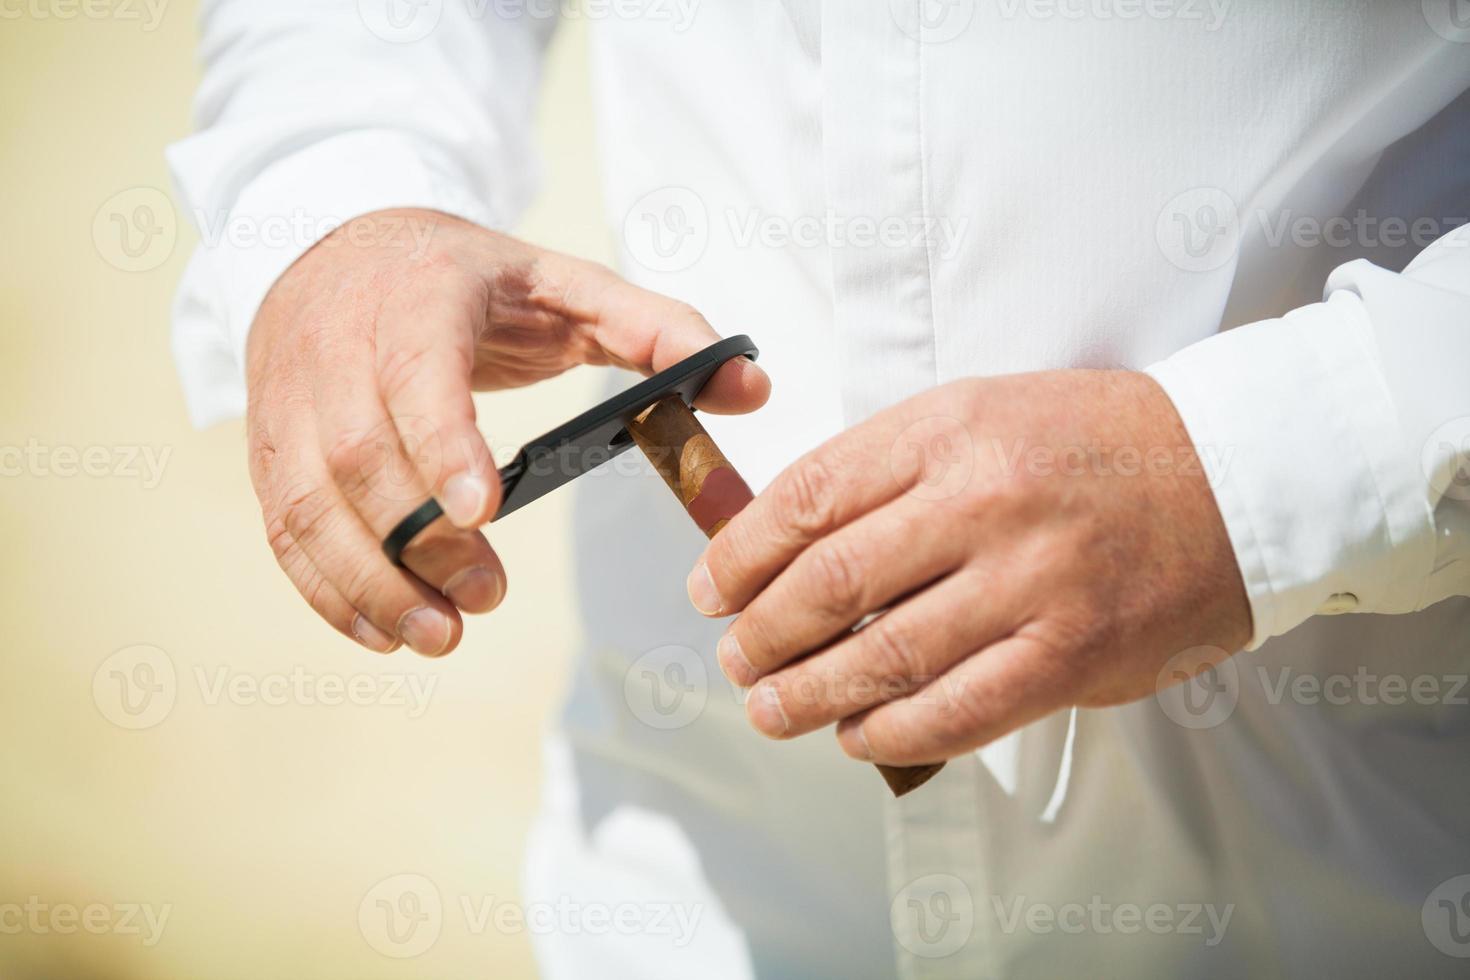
{"type": "Point", "coordinates": [1198, 688]}
{"type": "Point", "coordinates": [1445, 917]}
{"type": "Point", "coordinates": [137, 687]}
{"type": "Point", "coordinates": [1450, 19]}
{"type": "Point", "coordinates": [677, 14]}
{"type": "Point", "coordinates": [934, 457]}
{"type": "Point", "coordinates": [300, 229]}
{"type": "Point", "coordinates": [1100, 917]}
{"type": "Point", "coordinates": [38, 917]}
{"type": "Point", "coordinates": [1209, 14]}
{"type": "Point", "coordinates": [755, 227]}
{"type": "Point", "coordinates": [667, 687]}
{"type": "Point", "coordinates": [148, 13]}
{"type": "Point", "coordinates": [932, 21]}
{"type": "Point", "coordinates": [1202, 229]}
{"type": "Point", "coordinates": [1446, 459]}
{"type": "Point", "coordinates": [135, 230]}
{"type": "Point", "coordinates": [669, 230]}
{"type": "Point", "coordinates": [1362, 686]}
{"type": "Point", "coordinates": [1096, 458]}
{"type": "Point", "coordinates": [407, 21]}
{"type": "Point", "coordinates": [933, 916]}
{"type": "Point", "coordinates": [40, 460]}
{"type": "Point", "coordinates": [404, 915]}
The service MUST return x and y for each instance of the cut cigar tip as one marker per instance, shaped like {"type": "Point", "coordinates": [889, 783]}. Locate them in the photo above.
{"type": "Point", "coordinates": [906, 779]}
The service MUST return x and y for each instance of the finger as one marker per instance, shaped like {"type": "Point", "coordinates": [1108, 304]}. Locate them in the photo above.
{"type": "Point", "coordinates": [303, 501]}
{"type": "Point", "coordinates": [832, 485]}
{"type": "Point", "coordinates": [828, 588]}
{"type": "Point", "coordinates": [424, 376]}
{"type": "Point", "coordinates": [899, 653]}
{"type": "Point", "coordinates": [998, 690]}
{"type": "Point", "coordinates": [460, 564]}
{"type": "Point", "coordinates": [376, 463]}
{"type": "Point", "coordinates": [647, 332]}
{"type": "Point", "coordinates": [323, 597]}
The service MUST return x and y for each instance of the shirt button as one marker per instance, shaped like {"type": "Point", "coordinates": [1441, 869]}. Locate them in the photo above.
{"type": "Point", "coordinates": [1337, 604]}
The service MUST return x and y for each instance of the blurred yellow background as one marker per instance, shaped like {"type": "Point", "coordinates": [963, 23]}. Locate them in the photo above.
{"type": "Point", "coordinates": [181, 736]}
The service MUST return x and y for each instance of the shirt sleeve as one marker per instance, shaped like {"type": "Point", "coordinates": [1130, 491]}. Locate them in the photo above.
{"type": "Point", "coordinates": [1338, 441]}
{"type": "Point", "coordinates": [312, 112]}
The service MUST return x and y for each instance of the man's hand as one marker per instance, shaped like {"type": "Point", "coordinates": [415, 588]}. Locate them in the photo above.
{"type": "Point", "coordinates": [360, 365]}
{"type": "Point", "coordinates": [1038, 541]}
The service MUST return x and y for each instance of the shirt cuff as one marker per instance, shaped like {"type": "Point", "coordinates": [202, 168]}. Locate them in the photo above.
{"type": "Point", "coordinates": [1300, 440]}
{"type": "Point", "coordinates": [274, 219]}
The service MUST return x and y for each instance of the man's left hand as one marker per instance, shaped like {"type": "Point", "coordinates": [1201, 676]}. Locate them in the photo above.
{"type": "Point", "coordinates": [1032, 542]}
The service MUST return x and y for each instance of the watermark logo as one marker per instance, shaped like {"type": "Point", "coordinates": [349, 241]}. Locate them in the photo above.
{"type": "Point", "coordinates": [932, 21]}
{"type": "Point", "coordinates": [1198, 688]}
{"type": "Point", "coordinates": [135, 230]}
{"type": "Point", "coordinates": [933, 916]}
{"type": "Point", "coordinates": [1445, 917]}
{"type": "Point", "coordinates": [398, 457]}
{"type": "Point", "coordinates": [136, 687]}
{"type": "Point", "coordinates": [667, 687]}
{"type": "Point", "coordinates": [401, 916]}
{"type": "Point", "coordinates": [1446, 459]}
{"type": "Point", "coordinates": [667, 230]}
{"type": "Point", "coordinates": [934, 457]}
{"type": "Point", "coordinates": [1450, 19]}
{"type": "Point", "coordinates": [400, 21]}
{"type": "Point", "coordinates": [1199, 230]}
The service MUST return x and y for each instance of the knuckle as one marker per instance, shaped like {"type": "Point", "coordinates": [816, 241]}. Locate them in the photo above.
{"type": "Point", "coordinates": [302, 512]}
{"type": "Point", "coordinates": [366, 588]}
{"type": "Point", "coordinates": [806, 498]}
{"type": "Point", "coordinates": [685, 311]}
{"type": "Point", "coordinates": [966, 722]}
{"type": "Point", "coordinates": [320, 596]}
{"type": "Point", "coordinates": [839, 574]}
{"type": "Point", "coordinates": [261, 458]}
{"type": "Point", "coordinates": [759, 644]}
{"type": "Point", "coordinates": [399, 368]}
{"type": "Point", "coordinates": [354, 457]}
{"type": "Point", "coordinates": [894, 656]}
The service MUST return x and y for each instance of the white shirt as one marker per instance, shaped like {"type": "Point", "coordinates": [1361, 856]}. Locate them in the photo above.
{"type": "Point", "coordinates": [1261, 203]}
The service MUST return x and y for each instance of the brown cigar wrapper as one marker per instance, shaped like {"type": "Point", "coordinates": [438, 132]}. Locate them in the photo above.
{"type": "Point", "coordinates": [713, 492]}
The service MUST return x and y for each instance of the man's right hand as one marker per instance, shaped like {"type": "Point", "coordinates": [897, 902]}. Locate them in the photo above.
{"type": "Point", "coordinates": [360, 365]}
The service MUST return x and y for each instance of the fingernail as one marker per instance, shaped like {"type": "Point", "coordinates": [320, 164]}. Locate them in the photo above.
{"type": "Point", "coordinates": [733, 663]}
{"type": "Point", "coordinates": [765, 711]}
{"type": "Point", "coordinates": [463, 498]}
{"type": "Point", "coordinates": [702, 591]}
{"type": "Point", "coordinates": [425, 630]}
{"type": "Point", "coordinates": [858, 744]}
{"type": "Point", "coordinates": [475, 590]}
{"type": "Point", "coordinates": [371, 637]}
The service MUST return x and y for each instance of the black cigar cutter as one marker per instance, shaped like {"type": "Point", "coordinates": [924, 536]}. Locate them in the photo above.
{"type": "Point", "coordinates": [597, 435]}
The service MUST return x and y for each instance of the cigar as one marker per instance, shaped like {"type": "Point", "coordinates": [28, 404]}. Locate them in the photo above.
{"type": "Point", "coordinates": [713, 492]}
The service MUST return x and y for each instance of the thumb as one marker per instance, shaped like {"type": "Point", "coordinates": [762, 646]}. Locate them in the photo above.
{"type": "Point", "coordinates": [648, 332]}
{"type": "Point", "coordinates": [424, 371]}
